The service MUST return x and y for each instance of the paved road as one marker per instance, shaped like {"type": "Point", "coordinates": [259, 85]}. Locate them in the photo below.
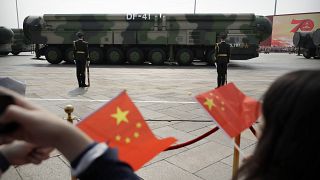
{"type": "Point", "coordinates": [165, 97]}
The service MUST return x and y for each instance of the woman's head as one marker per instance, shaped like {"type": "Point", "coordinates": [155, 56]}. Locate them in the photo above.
{"type": "Point", "coordinates": [293, 98]}
{"type": "Point", "coordinates": [287, 147]}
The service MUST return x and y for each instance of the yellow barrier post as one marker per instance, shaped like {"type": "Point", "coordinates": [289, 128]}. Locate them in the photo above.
{"type": "Point", "coordinates": [69, 109]}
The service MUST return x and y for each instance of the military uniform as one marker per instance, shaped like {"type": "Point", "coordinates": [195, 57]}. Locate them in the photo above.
{"type": "Point", "coordinates": [80, 53]}
{"type": "Point", "coordinates": [222, 55]}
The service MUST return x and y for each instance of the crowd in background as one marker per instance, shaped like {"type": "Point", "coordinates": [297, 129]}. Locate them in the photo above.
{"type": "Point", "coordinates": [278, 49]}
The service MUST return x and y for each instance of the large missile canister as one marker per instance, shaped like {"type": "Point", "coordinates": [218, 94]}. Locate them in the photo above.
{"type": "Point", "coordinates": [5, 35]}
{"type": "Point", "coordinates": [316, 37]}
{"type": "Point", "coordinates": [303, 39]}
{"type": "Point", "coordinates": [155, 28]}
{"type": "Point", "coordinates": [152, 37]}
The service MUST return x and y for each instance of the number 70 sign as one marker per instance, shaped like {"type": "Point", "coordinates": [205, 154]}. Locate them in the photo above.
{"type": "Point", "coordinates": [303, 25]}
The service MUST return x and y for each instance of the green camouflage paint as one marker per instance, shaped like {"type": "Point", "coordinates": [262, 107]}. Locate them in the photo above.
{"type": "Point", "coordinates": [20, 43]}
{"type": "Point", "coordinates": [6, 35]}
{"type": "Point", "coordinates": [167, 34]}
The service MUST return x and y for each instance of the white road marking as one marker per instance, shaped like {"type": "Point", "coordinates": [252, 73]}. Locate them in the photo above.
{"type": "Point", "coordinates": [106, 100]}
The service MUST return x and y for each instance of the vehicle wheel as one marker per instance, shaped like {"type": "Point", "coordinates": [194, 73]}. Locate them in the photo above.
{"type": "Point", "coordinates": [15, 53]}
{"type": "Point", "coordinates": [306, 54]}
{"type": "Point", "coordinates": [96, 55]}
{"type": "Point", "coordinates": [157, 56]}
{"type": "Point", "coordinates": [184, 57]}
{"type": "Point", "coordinates": [210, 57]}
{"type": "Point", "coordinates": [115, 56]}
{"type": "Point", "coordinates": [53, 55]}
{"type": "Point", "coordinates": [135, 56]}
{"type": "Point", "coordinates": [68, 55]}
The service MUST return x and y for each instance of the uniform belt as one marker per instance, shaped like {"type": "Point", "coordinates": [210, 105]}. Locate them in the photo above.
{"type": "Point", "coordinates": [222, 54]}
{"type": "Point", "coordinates": [82, 52]}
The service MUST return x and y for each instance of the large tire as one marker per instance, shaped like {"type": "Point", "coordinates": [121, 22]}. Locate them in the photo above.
{"type": "Point", "coordinates": [115, 56]}
{"type": "Point", "coordinates": [157, 56]}
{"type": "Point", "coordinates": [68, 55]}
{"type": "Point", "coordinates": [210, 57]}
{"type": "Point", "coordinates": [135, 56]}
{"type": "Point", "coordinates": [15, 53]}
{"type": "Point", "coordinates": [184, 57]}
{"type": "Point", "coordinates": [96, 55]}
{"type": "Point", "coordinates": [53, 55]}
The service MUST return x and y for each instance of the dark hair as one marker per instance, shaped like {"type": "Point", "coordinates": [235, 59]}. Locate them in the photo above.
{"type": "Point", "coordinates": [287, 148]}
{"type": "Point", "coordinates": [223, 35]}
{"type": "Point", "coordinates": [79, 34]}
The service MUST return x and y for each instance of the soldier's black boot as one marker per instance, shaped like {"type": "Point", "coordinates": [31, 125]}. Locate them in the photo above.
{"type": "Point", "coordinates": [79, 83]}
{"type": "Point", "coordinates": [83, 81]}
{"type": "Point", "coordinates": [223, 81]}
{"type": "Point", "coordinates": [219, 81]}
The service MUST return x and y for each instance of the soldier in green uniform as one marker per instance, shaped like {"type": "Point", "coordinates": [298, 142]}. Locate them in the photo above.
{"type": "Point", "coordinates": [81, 56]}
{"type": "Point", "coordinates": [222, 55]}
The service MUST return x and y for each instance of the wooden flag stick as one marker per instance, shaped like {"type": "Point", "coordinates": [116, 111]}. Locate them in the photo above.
{"type": "Point", "coordinates": [235, 166]}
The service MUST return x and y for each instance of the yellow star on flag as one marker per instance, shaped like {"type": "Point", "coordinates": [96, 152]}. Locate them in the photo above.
{"type": "Point", "coordinates": [120, 116]}
{"type": "Point", "coordinates": [209, 103]}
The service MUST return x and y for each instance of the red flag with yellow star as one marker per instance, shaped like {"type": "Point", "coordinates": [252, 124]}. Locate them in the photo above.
{"type": "Point", "coordinates": [120, 124]}
{"type": "Point", "coordinates": [230, 108]}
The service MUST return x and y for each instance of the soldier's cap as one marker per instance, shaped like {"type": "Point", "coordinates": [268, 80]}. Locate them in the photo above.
{"type": "Point", "coordinates": [79, 34]}
{"type": "Point", "coordinates": [223, 35]}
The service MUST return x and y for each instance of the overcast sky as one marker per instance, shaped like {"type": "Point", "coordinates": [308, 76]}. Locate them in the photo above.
{"type": "Point", "coordinates": [8, 16]}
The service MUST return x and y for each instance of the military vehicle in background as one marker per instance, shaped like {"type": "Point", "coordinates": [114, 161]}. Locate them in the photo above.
{"type": "Point", "coordinates": [116, 38]}
{"type": "Point", "coordinates": [14, 41]}
{"type": "Point", "coordinates": [308, 42]}
{"type": "Point", "coordinates": [20, 43]}
{"type": "Point", "coordinates": [6, 35]}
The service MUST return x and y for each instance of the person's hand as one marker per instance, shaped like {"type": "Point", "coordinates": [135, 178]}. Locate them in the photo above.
{"type": "Point", "coordinates": [36, 125]}
{"type": "Point", "coordinates": [20, 152]}
{"type": "Point", "coordinates": [41, 127]}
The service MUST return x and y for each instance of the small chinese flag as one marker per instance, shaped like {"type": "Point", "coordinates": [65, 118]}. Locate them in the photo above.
{"type": "Point", "coordinates": [120, 124]}
{"type": "Point", "coordinates": [230, 108]}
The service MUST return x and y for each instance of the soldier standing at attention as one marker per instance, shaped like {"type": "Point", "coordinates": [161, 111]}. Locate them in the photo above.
{"type": "Point", "coordinates": [222, 55]}
{"type": "Point", "coordinates": [81, 56]}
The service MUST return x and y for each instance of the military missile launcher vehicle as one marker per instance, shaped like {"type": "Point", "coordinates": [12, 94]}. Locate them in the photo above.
{"type": "Point", "coordinates": [309, 42]}
{"type": "Point", "coordinates": [316, 42]}
{"type": "Point", "coordinates": [6, 35]}
{"type": "Point", "coordinates": [316, 37]}
{"type": "Point", "coordinates": [20, 43]}
{"type": "Point", "coordinates": [136, 38]}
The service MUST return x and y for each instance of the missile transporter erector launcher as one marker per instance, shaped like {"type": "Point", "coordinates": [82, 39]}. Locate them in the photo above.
{"type": "Point", "coordinates": [135, 38]}
{"type": "Point", "coordinates": [309, 42]}
{"type": "Point", "coordinates": [13, 40]}
{"type": "Point", "coordinates": [6, 35]}
{"type": "Point", "coordinates": [20, 43]}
